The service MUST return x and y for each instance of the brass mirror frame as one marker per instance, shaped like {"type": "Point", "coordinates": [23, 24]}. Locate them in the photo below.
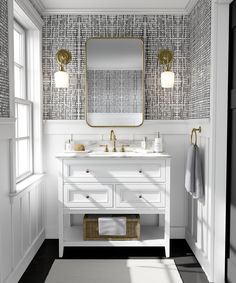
{"type": "Point", "coordinates": [86, 84]}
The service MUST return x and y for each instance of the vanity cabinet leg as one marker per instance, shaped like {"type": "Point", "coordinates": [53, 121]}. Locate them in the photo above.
{"type": "Point", "coordinates": [61, 249]}
{"type": "Point", "coordinates": [167, 249]}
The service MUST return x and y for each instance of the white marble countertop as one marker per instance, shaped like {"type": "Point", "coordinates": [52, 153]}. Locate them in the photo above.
{"type": "Point", "coordinates": [101, 154]}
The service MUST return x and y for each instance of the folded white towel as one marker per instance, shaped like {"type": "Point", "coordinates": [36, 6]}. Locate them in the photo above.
{"type": "Point", "coordinates": [112, 226]}
{"type": "Point", "coordinates": [193, 174]}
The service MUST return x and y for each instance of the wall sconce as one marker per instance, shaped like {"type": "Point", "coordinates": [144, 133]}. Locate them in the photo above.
{"type": "Point", "coordinates": [61, 77]}
{"type": "Point", "coordinates": [165, 57]}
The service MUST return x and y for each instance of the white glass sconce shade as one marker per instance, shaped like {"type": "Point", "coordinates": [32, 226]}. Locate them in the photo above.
{"type": "Point", "coordinates": [167, 79]}
{"type": "Point", "coordinates": [61, 79]}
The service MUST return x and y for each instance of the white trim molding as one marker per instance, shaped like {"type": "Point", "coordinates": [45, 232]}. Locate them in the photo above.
{"type": "Point", "coordinates": [218, 147]}
{"type": "Point", "coordinates": [135, 11]}
{"type": "Point", "coordinates": [25, 261]}
{"type": "Point", "coordinates": [23, 9]}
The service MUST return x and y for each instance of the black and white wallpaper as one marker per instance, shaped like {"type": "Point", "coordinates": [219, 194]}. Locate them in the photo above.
{"type": "Point", "coordinates": [4, 74]}
{"type": "Point", "coordinates": [200, 60]}
{"type": "Point", "coordinates": [187, 35]}
{"type": "Point", "coordinates": [159, 31]}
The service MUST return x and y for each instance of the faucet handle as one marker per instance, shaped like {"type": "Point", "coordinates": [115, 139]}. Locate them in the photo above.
{"type": "Point", "coordinates": [106, 147]}
{"type": "Point", "coordinates": [123, 147]}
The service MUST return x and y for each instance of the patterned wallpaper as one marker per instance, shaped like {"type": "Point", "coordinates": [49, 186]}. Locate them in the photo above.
{"type": "Point", "coordinates": [188, 36]}
{"type": "Point", "coordinates": [159, 31]}
{"type": "Point", "coordinates": [114, 91]}
{"type": "Point", "coordinates": [4, 77]}
{"type": "Point", "coordinates": [200, 60]}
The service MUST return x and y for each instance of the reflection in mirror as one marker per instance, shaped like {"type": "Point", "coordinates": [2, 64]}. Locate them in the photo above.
{"type": "Point", "coordinates": [114, 82]}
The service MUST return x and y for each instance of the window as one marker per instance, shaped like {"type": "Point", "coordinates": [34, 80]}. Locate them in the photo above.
{"type": "Point", "coordinates": [23, 107]}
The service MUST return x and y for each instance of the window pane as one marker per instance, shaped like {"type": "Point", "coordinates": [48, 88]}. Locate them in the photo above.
{"type": "Point", "coordinates": [23, 156]}
{"type": "Point", "coordinates": [17, 47]}
{"type": "Point", "coordinates": [16, 116]}
{"type": "Point", "coordinates": [17, 160]}
{"type": "Point", "coordinates": [18, 82]}
{"type": "Point", "coordinates": [23, 120]}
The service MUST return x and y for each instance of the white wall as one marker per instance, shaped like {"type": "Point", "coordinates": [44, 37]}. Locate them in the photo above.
{"type": "Point", "coordinates": [200, 226]}
{"type": "Point", "coordinates": [21, 214]}
{"type": "Point", "coordinates": [176, 137]}
{"type": "Point", "coordinates": [189, 219]}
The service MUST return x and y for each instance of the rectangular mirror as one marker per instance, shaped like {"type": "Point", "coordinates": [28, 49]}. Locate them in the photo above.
{"type": "Point", "coordinates": [114, 82]}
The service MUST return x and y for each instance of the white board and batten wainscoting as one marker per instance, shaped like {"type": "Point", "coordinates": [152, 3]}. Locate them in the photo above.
{"type": "Point", "coordinates": [188, 219]}
{"type": "Point", "coordinates": [21, 213]}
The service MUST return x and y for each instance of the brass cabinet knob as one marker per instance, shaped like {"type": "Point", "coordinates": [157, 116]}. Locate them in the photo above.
{"type": "Point", "coordinates": [87, 171]}
{"type": "Point", "coordinates": [140, 196]}
{"type": "Point", "coordinates": [87, 196]}
{"type": "Point", "coordinates": [140, 171]}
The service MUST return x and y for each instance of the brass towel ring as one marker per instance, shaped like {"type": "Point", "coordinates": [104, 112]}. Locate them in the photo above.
{"type": "Point", "coordinates": [194, 131]}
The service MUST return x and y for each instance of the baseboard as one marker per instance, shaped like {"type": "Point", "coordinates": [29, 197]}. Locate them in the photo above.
{"type": "Point", "coordinates": [202, 259]}
{"type": "Point", "coordinates": [25, 261]}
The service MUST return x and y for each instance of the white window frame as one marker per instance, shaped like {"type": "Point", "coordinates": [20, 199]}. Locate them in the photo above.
{"type": "Point", "coordinates": [24, 101]}
{"type": "Point", "coordinates": [29, 138]}
{"type": "Point", "coordinates": [26, 15]}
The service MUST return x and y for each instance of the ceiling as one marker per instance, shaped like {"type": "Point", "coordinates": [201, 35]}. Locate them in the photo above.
{"type": "Point", "coordinates": [58, 6]}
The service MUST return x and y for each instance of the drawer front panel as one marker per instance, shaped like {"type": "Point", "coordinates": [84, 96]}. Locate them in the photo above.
{"type": "Point", "coordinates": [140, 196]}
{"type": "Point", "coordinates": [141, 170]}
{"type": "Point", "coordinates": [88, 195]}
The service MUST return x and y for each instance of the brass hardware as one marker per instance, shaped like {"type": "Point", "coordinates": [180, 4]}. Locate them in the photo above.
{"type": "Point", "coordinates": [87, 171]}
{"type": "Point", "coordinates": [140, 171]}
{"type": "Point", "coordinates": [165, 57]}
{"type": "Point", "coordinates": [194, 131]}
{"type": "Point", "coordinates": [113, 138]}
{"type": "Point", "coordinates": [140, 196]}
{"type": "Point", "coordinates": [106, 147]}
{"type": "Point", "coordinates": [87, 196]}
{"type": "Point", "coordinates": [123, 147]}
{"type": "Point", "coordinates": [86, 85]}
{"type": "Point", "coordinates": [63, 57]}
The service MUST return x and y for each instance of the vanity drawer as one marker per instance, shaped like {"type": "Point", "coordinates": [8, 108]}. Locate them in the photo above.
{"type": "Point", "coordinates": [140, 195]}
{"type": "Point", "coordinates": [120, 171]}
{"type": "Point", "coordinates": [88, 195]}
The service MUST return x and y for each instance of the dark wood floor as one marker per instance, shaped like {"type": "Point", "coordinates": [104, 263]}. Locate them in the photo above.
{"type": "Point", "coordinates": [187, 264]}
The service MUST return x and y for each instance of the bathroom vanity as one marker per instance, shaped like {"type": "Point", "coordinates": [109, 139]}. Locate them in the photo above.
{"type": "Point", "coordinates": [114, 183]}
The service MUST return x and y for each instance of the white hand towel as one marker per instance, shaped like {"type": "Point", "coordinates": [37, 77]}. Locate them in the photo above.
{"type": "Point", "coordinates": [112, 226]}
{"type": "Point", "coordinates": [193, 174]}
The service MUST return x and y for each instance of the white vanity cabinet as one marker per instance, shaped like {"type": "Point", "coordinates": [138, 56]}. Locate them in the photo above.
{"type": "Point", "coordinates": [114, 185]}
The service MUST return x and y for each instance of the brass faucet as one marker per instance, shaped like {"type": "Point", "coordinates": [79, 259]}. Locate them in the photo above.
{"type": "Point", "coordinates": [113, 138]}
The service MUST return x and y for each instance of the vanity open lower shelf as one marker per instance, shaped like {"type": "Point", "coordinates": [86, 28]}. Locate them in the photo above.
{"type": "Point", "coordinates": [114, 185]}
{"type": "Point", "coordinates": [150, 236]}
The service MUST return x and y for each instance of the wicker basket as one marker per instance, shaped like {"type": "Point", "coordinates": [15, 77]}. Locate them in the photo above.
{"type": "Point", "coordinates": [90, 228]}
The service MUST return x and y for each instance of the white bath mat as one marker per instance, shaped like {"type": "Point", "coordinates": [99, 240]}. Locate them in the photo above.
{"type": "Point", "coordinates": [114, 271]}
